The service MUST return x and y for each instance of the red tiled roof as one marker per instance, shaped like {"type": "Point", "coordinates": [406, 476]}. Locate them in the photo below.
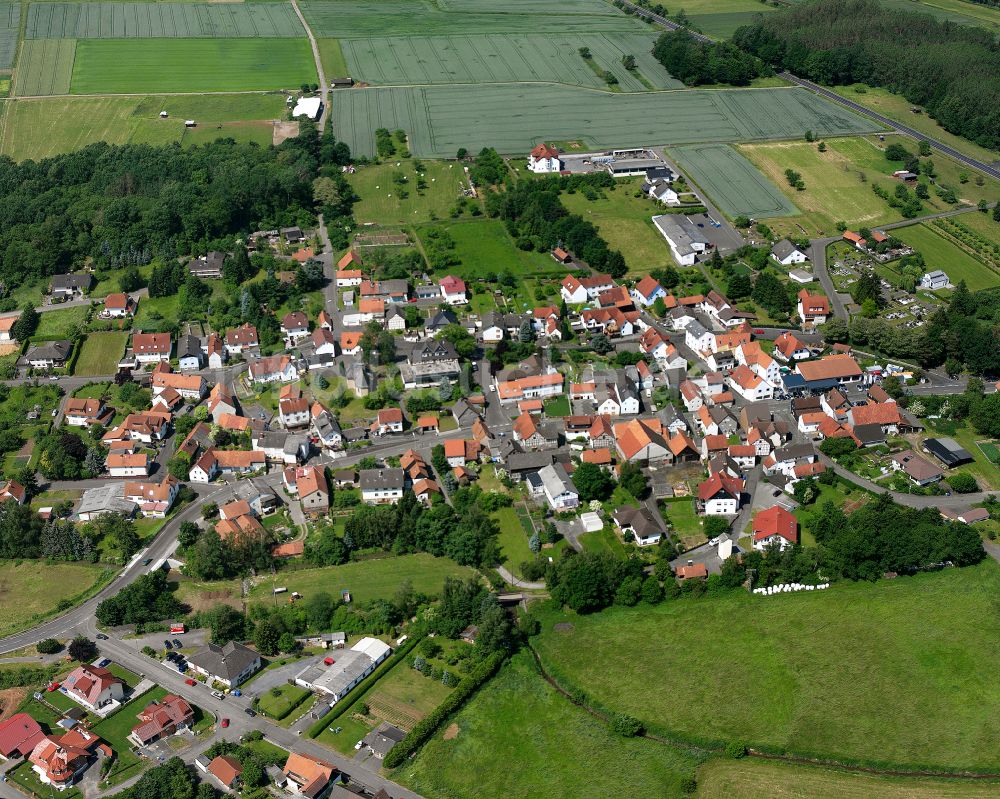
{"type": "Point", "coordinates": [775, 521]}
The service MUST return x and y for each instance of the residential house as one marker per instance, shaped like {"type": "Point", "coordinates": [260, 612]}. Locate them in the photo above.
{"type": "Point", "coordinates": [127, 464]}
{"type": "Point", "coordinates": [348, 278]}
{"type": "Point", "coordinates": [691, 395]}
{"type": "Point", "coordinates": [788, 348]}
{"type": "Point", "coordinates": [79, 412]}
{"type": "Point", "coordinates": [920, 470]}
{"type": "Point", "coordinates": [192, 387]}
{"type": "Point", "coordinates": [643, 440]}
{"type": "Point", "coordinates": [429, 362]}
{"type": "Point", "coordinates": [325, 427]}
{"type": "Point", "coordinates": [685, 238]}
{"type": "Point", "coordinates": [160, 719]}
{"type": "Point", "coordinates": [48, 355]}
{"type": "Point", "coordinates": [294, 325]}
{"type": "Point", "coordinates": [460, 451]}
{"type": "Point", "coordinates": [208, 266]}
{"type": "Point", "coordinates": [579, 290]}
{"type": "Point", "coordinates": [544, 159]}
{"type": "Point", "coordinates": [223, 461]}
{"type": "Point", "coordinates": [60, 761]}
{"type": "Point", "coordinates": [382, 739]}
{"type": "Point", "coordinates": [18, 736]}
{"type": "Point", "coordinates": [350, 342]}
{"type": "Point", "coordinates": [274, 369]}
{"type": "Point", "coordinates": [720, 495]}
{"type": "Point", "coordinates": [829, 371]}
{"type": "Point", "coordinates": [639, 524]}
{"type": "Point", "coordinates": [775, 527]}
{"type": "Point", "coordinates": [221, 399]}
{"type": "Point", "coordinates": [388, 420]}
{"type": "Point", "coordinates": [813, 309]}
{"type": "Point", "coordinates": [71, 286]}
{"type": "Point", "coordinates": [230, 664]}
{"type": "Point", "coordinates": [227, 770]}
{"type": "Point", "coordinates": [153, 499]}
{"type": "Point", "coordinates": [786, 253]}
{"type": "Point", "coordinates": [152, 347]}
{"type": "Point", "coordinates": [215, 351]}
{"type": "Point", "coordinates": [241, 338]}
{"type": "Point", "coordinates": [532, 387]}
{"type": "Point", "coordinates": [294, 412]}
{"type": "Point", "coordinates": [309, 777]}
{"type": "Point", "coordinates": [698, 338]}
{"type": "Point", "coordinates": [382, 486]}
{"type": "Point", "coordinates": [309, 484]}
{"type": "Point", "coordinates": [559, 490]}
{"type": "Point", "coordinates": [528, 432]}
{"type": "Point", "coordinates": [748, 385]}
{"type": "Point", "coordinates": [935, 280]}
{"type": "Point", "coordinates": [94, 687]}
{"type": "Point", "coordinates": [6, 325]}
{"type": "Point", "coordinates": [118, 305]}
{"type": "Point", "coordinates": [453, 290]}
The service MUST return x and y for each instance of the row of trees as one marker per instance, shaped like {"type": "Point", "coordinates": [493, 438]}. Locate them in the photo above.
{"type": "Point", "coordinates": [952, 70]}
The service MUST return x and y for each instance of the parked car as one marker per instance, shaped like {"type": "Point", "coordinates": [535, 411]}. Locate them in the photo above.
{"type": "Point", "coordinates": [102, 637]}
{"type": "Point", "coordinates": [359, 744]}
{"type": "Point", "coordinates": [225, 723]}
{"type": "Point", "coordinates": [218, 694]}
{"type": "Point", "coordinates": [250, 712]}
{"type": "Point", "coordinates": [177, 643]}
{"type": "Point", "coordinates": [167, 644]}
{"type": "Point", "coordinates": [190, 682]}
{"type": "Point", "coordinates": [53, 686]}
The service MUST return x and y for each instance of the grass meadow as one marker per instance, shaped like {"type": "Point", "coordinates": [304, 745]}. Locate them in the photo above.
{"type": "Point", "coordinates": [380, 201]}
{"type": "Point", "coordinates": [32, 588]}
{"type": "Point", "coordinates": [332, 56]}
{"type": "Point", "coordinates": [756, 779]}
{"type": "Point", "coordinates": [100, 354]}
{"type": "Point", "coordinates": [898, 672]}
{"type": "Point", "coordinates": [519, 737]}
{"type": "Point", "coordinates": [60, 324]}
{"type": "Point", "coordinates": [940, 253]}
{"type": "Point", "coordinates": [190, 65]}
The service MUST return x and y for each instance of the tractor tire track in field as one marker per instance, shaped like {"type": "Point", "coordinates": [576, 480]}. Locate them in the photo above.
{"type": "Point", "coordinates": [700, 749]}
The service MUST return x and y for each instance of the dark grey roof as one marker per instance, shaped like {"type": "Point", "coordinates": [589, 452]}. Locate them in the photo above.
{"type": "Point", "coordinates": [433, 350]}
{"type": "Point", "coordinates": [795, 451]}
{"type": "Point", "coordinates": [869, 433]}
{"type": "Point", "coordinates": [78, 280]}
{"type": "Point", "coordinates": [381, 740]}
{"type": "Point", "coordinates": [441, 319]}
{"type": "Point", "coordinates": [528, 461]}
{"type": "Point", "coordinates": [947, 450]}
{"type": "Point", "coordinates": [382, 479]}
{"type": "Point", "coordinates": [783, 249]}
{"type": "Point", "coordinates": [228, 661]}
{"type": "Point", "coordinates": [49, 351]}
{"type": "Point", "coordinates": [189, 346]}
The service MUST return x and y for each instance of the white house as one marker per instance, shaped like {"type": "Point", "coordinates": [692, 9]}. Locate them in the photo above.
{"type": "Point", "coordinates": [128, 464]}
{"type": "Point", "coordinates": [935, 280]}
{"type": "Point", "coordinates": [786, 253]}
{"type": "Point", "coordinates": [720, 495]}
{"type": "Point", "coordinates": [698, 338]}
{"type": "Point", "coordinates": [559, 490]}
{"type": "Point", "coordinates": [647, 291]}
{"type": "Point", "coordinates": [382, 486]}
{"type": "Point", "coordinates": [775, 527]}
{"type": "Point", "coordinates": [274, 369]}
{"type": "Point", "coordinates": [294, 412]}
{"type": "Point", "coordinates": [453, 290]}
{"type": "Point", "coordinates": [683, 236]}
{"type": "Point", "coordinates": [544, 160]}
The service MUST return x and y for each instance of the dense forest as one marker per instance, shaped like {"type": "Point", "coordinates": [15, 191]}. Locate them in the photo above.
{"type": "Point", "coordinates": [697, 63]}
{"type": "Point", "coordinates": [126, 205]}
{"type": "Point", "coordinates": [952, 70]}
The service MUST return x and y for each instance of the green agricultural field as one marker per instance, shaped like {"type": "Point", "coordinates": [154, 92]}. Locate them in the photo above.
{"type": "Point", "coordinates": [441, 119]}
{"type": "Point", "coordinates": [45, 67]}
{"type": "Point", "coordinates": [732, 181]}
{"type": "Point", "coordinates": [625, 222]}
{"type": "Point", "coordinates": [417, 18]}
{"type": "Point", "coordinates": [940, 253]}
{"type": "Point", "coordinates": [503, 58]}
{"type": "Point", "coordinates": [30, 589]}
{"type": "Point", "coordinates": [834, 188]}
{"type": "Point", "coordinates": [10, 25]}
{"type": "Point", "coordinates": [74, 122]}
{"type": "Point", "coordinates": [100, 354]}
{"type": "Point", "coordinates": [190, 65]}
{"type": "Point", "coordinates": [897, 107]}
{"type": "Point", "coordinates": [811, 680]}
{"type": "Point", "coordinates": [757, 779]}
{"type": "Point", "coordinates": [560, 751]}
{"type": "Point", "coordinates": [102, 20]}
{"type": "Point", "coordinates": [379, 196]}
{"type": "Point", "coordinates": [60, 324]}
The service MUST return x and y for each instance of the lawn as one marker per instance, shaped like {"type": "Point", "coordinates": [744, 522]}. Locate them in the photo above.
{"type": "Point", "coordinates": [30, 590]}
{"type": "Point", "coordinates": [24, 776]}
{"type": "Point", "coordinates": [834, 187]}
{"type": "Point", "coordinates": [380, 201]}
{"type": "Point", "coordinates": [732, 182]}
{"type": "Point", "coordinates": [625, 222]}
{"type": "Point", "coordinates": [605, 540]}
{"type": "Point", "coordinates": [940, 253]}
{"type": "Point", "coordinates": [100, 354]}
{"type": "Point", "coordinates": [332, 56]}
{"type": "Point", "coordinates": [123, 66]}
{"type": "Point", "coordinates": [277, 707]}
{"type": "Point", "coordinates": [115, 730]}
{"type": "Point", "coordinates": [485, 248]}
{"type": "Point", "coordinates": [757, 779]}
{"type": "Point", "coordinates": [60, 324]}
{"type": "Point", "coordinates": [898, 671]}
{"type": "Point", "coordinates": [156, 314]}
{"type": "Point", "coordinates": [835, 494]}
{"type": "Point", "coordinates": [558, 406]}
{"type": "Point", "coordinates": [366, 580]}
{"type": "Point", "coordinates": [685, 521]}
{"type": "Point", "coordinates": [897, 107]}
{"type": "Point", "coordinates": [513, 540]}
{"type": "Point", "coordinates": [519, 737]}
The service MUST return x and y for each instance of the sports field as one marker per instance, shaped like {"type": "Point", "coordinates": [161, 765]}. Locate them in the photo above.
{"type": "Point", "coordinates": [504, 58]}
{"type": "Point", "coordinates": [73, 122]}
{"type": "Point", "coordinates": [100, 20]}
{"type": "Point", "coordinates": [190, 65]}
{"type": "Point", "coordinates": [940, 253]}
{"type": "Point", "coordinates": [10, 23]}
{"type": "Point", "coordinates": [512, 118]}
{"type": "Point", "coordinates": [757, 779]}
{"type": "Point", "coordinates": [732, 182]}
{"type": "Point", "coordinates": [899, 671]}
{"type": "Point", "coordinates": [45, 67]}
{"type": "Point", "coordinates": [361, 18]}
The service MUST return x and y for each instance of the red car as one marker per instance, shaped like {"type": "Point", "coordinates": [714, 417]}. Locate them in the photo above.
{"type": "Point", "coordinates": [53, 686]}
{"type": "Point", "coordinates": [191, 682]}
{"type": "Point", "coordinates": [225, 723]}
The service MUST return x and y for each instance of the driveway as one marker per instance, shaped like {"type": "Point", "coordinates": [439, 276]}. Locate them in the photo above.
{"type": "Point", "coordinates": [277, 676]}
{"type": "Point", "coordinates": [570, 529]}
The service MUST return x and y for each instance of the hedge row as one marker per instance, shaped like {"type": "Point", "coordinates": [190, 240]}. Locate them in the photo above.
{"type": "Point", "coordinates": [425, 728]}
{"type": "Point", "coordinates": [384, 668]}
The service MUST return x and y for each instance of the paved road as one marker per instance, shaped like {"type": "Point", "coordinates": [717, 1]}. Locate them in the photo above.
{"type": "Point", "coordinates": [517, 582]}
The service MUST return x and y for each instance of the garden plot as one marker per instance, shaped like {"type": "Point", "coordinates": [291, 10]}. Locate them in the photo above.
{"type": "Point", "coordinates": [735, 184]}
{"type": "Point", "coordinates": [512, 118]}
